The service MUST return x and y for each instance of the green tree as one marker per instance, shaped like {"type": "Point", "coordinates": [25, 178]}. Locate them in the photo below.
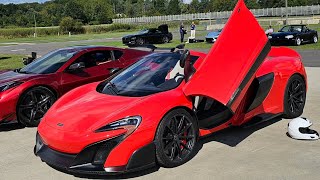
{"type": "Point", "coordinates": [174, 7]}
{"type": "Point", "coordinates": [68, 24]}
{"type": "Point", "coordinates": [194, 6]}
{"type": "Point", "coordinates": [74, 10]}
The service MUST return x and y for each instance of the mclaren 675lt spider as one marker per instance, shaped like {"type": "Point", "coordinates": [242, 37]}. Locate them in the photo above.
{"type": "Point", "coordinates": [26, 94]}
{"type": "Point", "coordinates": [155, 111]}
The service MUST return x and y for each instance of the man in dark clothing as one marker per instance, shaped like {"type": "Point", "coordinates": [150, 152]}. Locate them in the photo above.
{"type": "Point", "coordinates": [182, 32]}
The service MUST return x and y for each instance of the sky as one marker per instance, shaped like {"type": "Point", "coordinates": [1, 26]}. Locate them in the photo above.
{"type": "Point", "coordinates": [24, 1]}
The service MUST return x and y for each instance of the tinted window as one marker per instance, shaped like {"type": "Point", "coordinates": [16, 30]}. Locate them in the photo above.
{"type": "Point", "coordinates": [117, 54]}
{"type": "Point", "coordinates": [50, 62]}
{"type": "Point", "coordinates": [95, 58]}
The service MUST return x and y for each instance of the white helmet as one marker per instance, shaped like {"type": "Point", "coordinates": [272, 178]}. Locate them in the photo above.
{"type": "Point", "coordinates": [298, 128]}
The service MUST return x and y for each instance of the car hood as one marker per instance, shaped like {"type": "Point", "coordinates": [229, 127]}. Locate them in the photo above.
{"type": "Point", "coordinates": [81, 110]}
{"type": "Point", "coordinates": [213, 34]}
{"type": "Point", "coordinates": [282, 34]}
{"type": "Point", "coordinates": [9, 76]}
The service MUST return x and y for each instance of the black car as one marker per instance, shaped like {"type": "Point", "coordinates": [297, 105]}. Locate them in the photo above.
{"type": "Point", "coordinates": [294, 35]}
{"type": "Point", "coordinates": [149, 36]}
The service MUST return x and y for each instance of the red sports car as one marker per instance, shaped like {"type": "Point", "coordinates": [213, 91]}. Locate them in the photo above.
{"type": "Point", "coordinates": [155, 111]}
{"type": "Point", "coordinates": [26, 94]}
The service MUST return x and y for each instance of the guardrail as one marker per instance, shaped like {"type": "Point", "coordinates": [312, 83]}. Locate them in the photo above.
{"type": "Point", "coordinates": [267, 12]}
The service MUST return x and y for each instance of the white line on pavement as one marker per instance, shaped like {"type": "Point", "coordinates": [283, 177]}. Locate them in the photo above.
{"type": "Point", "coordinates": [15, 50]}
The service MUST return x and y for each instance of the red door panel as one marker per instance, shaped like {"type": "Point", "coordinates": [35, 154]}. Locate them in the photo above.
{"type": "Point", "coordinates": [71, 80]}
{"type": "Point", "coordinates": [229, 68]}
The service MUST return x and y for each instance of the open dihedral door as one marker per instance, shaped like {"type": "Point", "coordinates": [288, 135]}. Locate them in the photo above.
{"type": "Point", "coordinates": [229, 68]}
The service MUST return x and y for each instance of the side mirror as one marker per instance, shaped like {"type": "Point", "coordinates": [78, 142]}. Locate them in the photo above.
{"type": "Point", "coordinates": [184, 57]}
{"type": "Point", "coordinates": [76, 66]}
{"type": "Point", "coordinates": [185, 63]}
{"type": "Point", "coordinates": [114, 70]}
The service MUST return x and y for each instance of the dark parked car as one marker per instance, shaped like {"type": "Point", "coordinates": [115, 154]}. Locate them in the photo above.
{"type": "Point", "coordinates": [146, 36]}
{"type": "Point", "coordinates": [294, 35]}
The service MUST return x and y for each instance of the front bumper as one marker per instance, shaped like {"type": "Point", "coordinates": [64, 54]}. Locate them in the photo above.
{"type": "Point", "coordinates": [7, 109]}
{"type": "Point", "coordinates": [128, 41]}
{"type": "Point", "coordinates": [91, 160]}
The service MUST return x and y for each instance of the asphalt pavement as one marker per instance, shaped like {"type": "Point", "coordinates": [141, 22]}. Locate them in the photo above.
{"type": "Point", "coordinates": [310, 57]}
{"type": "Point", "coordinates": [262, 151]}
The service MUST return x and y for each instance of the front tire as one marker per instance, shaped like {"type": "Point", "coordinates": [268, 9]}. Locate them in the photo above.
{"type": "Point", "coordinates": [295, 97]}
{"type": "Point", "coordinates": [140, 42]}
{"type": "Point", "coordinates": [176, 138]}
{"type": "Point", "coordinates": [33, 104]}
{"type": "Point", "coordinates": [298, 41]}
{"type": "Point", "coordinates": [165, 40]}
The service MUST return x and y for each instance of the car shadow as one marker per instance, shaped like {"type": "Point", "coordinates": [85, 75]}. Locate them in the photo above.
{"type": "Point", "coordinates": [4, 58]}
{"type": "Point", "coordinates": [231, 137]}
{"type": "Point", "coordinates": [113, 176]}
{"type": "Point", "coordinates": [10, 127]}
{"type": "Point", "coordinates": [235, 135]}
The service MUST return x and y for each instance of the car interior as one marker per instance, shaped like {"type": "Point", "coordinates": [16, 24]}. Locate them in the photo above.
{"type": "Point", "coordinates": [210, 112]}
{"type": "Point", "coordinates": [95, 58]}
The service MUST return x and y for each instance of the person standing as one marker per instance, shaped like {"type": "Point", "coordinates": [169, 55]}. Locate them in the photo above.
{"type": "Point", "coordinates": [193, 30]}
{"type": "Point", "coordinates": [269, 30]}
{"type": "Point", "coordinates": [182, 32]}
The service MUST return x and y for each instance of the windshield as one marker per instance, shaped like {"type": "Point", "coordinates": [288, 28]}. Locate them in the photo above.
{"type": "Point", "coordinates": [291, 29]}
{"type": "Point", "coordinates": [154, 73]}
{"type": "Point", "coordinates": [50, 62]}
{"type": "Point", "coordinates": [143, 31]}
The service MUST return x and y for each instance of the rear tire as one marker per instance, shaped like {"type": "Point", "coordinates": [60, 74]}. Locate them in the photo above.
{"type": "Point", "coordinates": [295, 97]}
{"type": "Point", "coordinates": [33, 104]}
{"type": "Point", "coordinates": [315, 39]}
{"type": "Point", "coordinates": [176, 138]}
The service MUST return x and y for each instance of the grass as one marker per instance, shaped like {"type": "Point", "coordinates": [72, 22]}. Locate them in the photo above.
{"type": "Point", "coordinates": [64, 38]}
{"type": "Point", "coordinates": [10, 61]}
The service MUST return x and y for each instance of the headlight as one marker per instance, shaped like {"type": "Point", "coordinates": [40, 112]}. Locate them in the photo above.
{"type": "Point", "coordinates": [270, 37]}
{"type": "Point", "coordinates": [289, 36]}
{"type": "Point", "coordinates": [129, 123]}
{"type": "Point", "coordinates": [133, 38]}
{"type": "Point", "coordinates": [6, 86]}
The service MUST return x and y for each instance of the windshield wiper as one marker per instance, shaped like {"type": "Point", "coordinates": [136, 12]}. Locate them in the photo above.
{"type": "Point", "coordinates": [24, 72]}
{"type": "Point", "coordinates": [113, 87]}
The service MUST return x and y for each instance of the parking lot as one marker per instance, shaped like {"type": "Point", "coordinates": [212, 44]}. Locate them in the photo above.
{"type": "Point", "coordinates": [262, 151]}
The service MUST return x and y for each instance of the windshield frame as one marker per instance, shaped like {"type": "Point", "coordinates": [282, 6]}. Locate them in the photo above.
{"type": "Point", "coordinates": [291, 27]}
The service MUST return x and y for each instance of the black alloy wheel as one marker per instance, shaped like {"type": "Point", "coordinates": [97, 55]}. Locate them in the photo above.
{"type": "Point", "coordinates": [315, 39]}
{"type": "Point", "coordinates": [33, 104]}
{"type": "Point", "coordinates": [165, 39]}
{"type": "Point", "coordinates": [298, 41]}
{"type": "Point", "coordinates": [295, 97]}
{"type": "Point", "coordinates": [139, 41]}
{"type": "Point", "coordinates": [176, 138]}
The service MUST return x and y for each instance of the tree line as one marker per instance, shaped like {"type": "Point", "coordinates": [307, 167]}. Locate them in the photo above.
{"type": "Point", "coordinates": [51, 13]}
